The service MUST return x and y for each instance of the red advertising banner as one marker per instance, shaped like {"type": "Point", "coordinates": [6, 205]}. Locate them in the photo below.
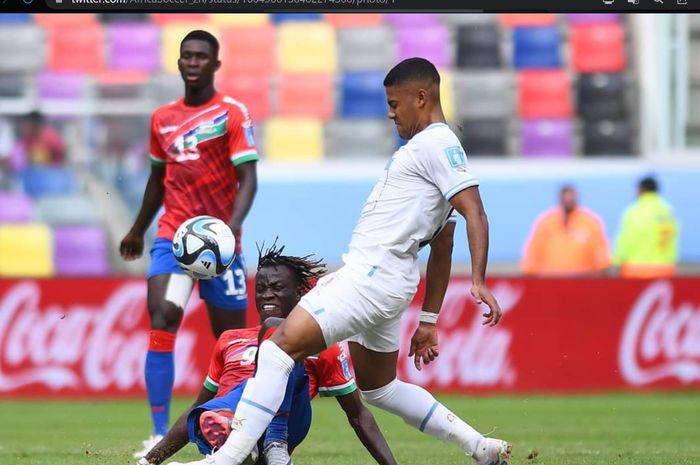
{"type": "Point", "coordinates": [88, 337]}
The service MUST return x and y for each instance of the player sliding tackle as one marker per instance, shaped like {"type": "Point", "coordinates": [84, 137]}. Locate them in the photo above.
{"type": "Point", "coordinates": [280, 282]}
{"type": "Point", "coordinates": [410, 207]}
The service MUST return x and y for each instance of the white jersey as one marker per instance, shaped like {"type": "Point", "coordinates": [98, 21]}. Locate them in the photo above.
{"type": "Point", "coordinates": [410, 205]}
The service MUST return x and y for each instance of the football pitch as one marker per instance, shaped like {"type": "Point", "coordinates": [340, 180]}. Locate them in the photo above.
{"type": "Point", "coordinates": [574, 430]}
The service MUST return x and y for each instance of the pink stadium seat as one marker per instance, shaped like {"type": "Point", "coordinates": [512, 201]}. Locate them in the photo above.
{"type": "Point", "coordinates": [248, 50]}
{"type": "Point", "coordinates": [80, 251]}
{"type": "Point", "coordinates": [15, 208]}
{"type": "Point", "coordinates": [75, 48]}
{"type": "Point", "coordinates": [598, 48]}
{"type": "Point", "coordinates": [544, 94]}
{"type": "Point", "coordinates": [253, 90]}
{"type": "Point", "coordinates": [61, 86]}
{"type": "Point", "coordinates": [305, 95]}
{"type": "Point", "coordinates": [430, 42]}
{"type": "Point", "coordinates": [188, 18]}
{"type": "Point", "coordinates": [527, 20]}
{"type": "Point", "coordinates": [113, 78]}
{"type": "Point", "coordinates": [133, 46]}
{"type": "Point", "coordinates": [354, 19]}
{"type": "Point", "coordinates": [65, 20]}
{"type": "Point", "coordinates": [412, 19]}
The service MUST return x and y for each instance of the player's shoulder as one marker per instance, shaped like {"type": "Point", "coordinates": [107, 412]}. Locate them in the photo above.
{"type": "Point", "coordinates": [166, 108]}
{"type": "Point", "coordinates": [437, 136]}
{"type": "Point", "coordinates": [235, 107]}
{"type": "Point", "coordinates": [231, 335]}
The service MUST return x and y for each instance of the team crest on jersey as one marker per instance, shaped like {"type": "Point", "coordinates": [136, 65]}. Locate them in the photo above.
{"type": "Point", "coordinates": [456, 157]}
{"type": "Point", "coordinates": [184, 147]}
{"type": "Point", "coordinates": [344, 364]}
{"type": "Point", "coordinates": [248, 132]}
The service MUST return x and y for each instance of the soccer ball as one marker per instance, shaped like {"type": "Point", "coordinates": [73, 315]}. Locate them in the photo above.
{"type": "Point", "coordinates": [204, 247]}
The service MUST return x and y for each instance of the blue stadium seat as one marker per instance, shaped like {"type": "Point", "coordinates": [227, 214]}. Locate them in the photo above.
{"type": "Point", "coordinates": [39, 181]}
{"type": "Point", "coordinates": [363, 95]}
{"type": "Point", "coordinates": [7, 18]}
{"type": "Point", "coordinates": [284, 17]}
{"type": "Point", "coordinates": [536, 47]}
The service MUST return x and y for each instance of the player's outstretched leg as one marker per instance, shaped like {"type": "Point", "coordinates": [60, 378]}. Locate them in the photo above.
{"type": "Point", "coordinates": [418, 408]}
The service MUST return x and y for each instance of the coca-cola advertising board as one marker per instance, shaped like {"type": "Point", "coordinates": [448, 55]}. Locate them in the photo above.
{"type": "Point", "coordinates": [88, 337]}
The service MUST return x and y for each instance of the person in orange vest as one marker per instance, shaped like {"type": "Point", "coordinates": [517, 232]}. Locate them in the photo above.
{"type": "Point", "coordinates": [566, 240]}
{"type": "Point", "coordinates": [647, 244]}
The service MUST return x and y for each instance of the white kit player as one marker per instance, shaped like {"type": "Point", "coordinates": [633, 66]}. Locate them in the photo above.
{"type": "Point", "coordinates": [410, 206]}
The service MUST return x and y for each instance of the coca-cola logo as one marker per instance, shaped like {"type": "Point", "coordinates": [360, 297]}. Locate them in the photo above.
{"type": "Point", "coordinates": [81, 347]}
{"type": "Point", "coordinates": [471, 354]}
{"type": "Point", "coordinates": [660, 341]}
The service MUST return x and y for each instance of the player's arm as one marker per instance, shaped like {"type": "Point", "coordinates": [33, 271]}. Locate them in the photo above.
{"type": "Point", "coordinates": [177, 436]}
{"type": "Point", "coordinates": [366, 428]}
{"type": "Point", "coordinates": [468, 203]}
{"type": "Point", "coordinates": [247, 176]}
{"type": "Point", "coordinates": [424, 343]}
{"type": "Point", "coordinates": [131, 246]}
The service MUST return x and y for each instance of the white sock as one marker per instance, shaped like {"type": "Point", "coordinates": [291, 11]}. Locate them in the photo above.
{"type": "Point", "coordinates": [419, 409]}
{"type": "Point", "coordinates": [260, 400]}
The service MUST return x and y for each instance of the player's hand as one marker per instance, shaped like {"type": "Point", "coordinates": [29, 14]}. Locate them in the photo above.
{"type": "Point", "coordinates": [131, 247]}
{"type": "Point", "coordinates": [424, 345]}
{"type": "Point", "coordinates": [482, 294]}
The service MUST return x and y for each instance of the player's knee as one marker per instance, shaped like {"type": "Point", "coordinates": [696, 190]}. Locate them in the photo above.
{"type": "Point", "coordinates": [165, 315]}
{"type": "Point", "coordinates": [380, 396]}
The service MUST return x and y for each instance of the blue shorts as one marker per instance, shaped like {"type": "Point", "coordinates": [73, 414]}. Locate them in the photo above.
{"type": "Point", "coordinates": [228, 291]}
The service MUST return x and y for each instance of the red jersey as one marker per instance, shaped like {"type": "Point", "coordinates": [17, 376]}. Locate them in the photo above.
{"type": "Point", "coordinates": [233, 361]}
{"type": "Point", "coordinates": [200, 146]}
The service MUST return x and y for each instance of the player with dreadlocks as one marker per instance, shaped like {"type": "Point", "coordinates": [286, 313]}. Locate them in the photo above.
{"type": "Point", "coordinates": [280, 282]}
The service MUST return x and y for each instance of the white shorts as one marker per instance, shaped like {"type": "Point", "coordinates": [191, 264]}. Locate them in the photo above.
{"type": "Point", "coordinates": [354, 305]}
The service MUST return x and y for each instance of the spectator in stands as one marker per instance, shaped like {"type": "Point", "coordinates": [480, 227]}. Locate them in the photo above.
{"type": "Point", "coordinates": [567, 240]}
{"type": "Point", "coordinates": [39, 143]}
{"type": "Point", "coordinates": [647, 244]}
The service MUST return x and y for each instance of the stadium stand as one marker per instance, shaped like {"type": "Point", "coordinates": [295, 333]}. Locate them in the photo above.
{"type": "Point", "coordinates": [26, 250]}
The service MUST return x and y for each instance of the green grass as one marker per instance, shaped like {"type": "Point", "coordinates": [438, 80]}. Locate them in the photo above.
{"type": "Point", "coordinates": [611, 429]}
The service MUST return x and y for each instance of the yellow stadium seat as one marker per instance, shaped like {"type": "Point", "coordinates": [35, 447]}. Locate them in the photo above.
{"type": "Point", "coordinates": [447, 97]}
{"type": "Point", "coordinates": [295, 140]}
{"type": "Point", "coordinates": [171, 36]}
{"type": "Point", "coordinates": [307, 47]}
{"type": "Point", "coordinates": [232, 19]}
{"type": "Point", "coordinates": [25, 250]}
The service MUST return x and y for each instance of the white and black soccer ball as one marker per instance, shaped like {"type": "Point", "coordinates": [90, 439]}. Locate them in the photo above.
{"type": "Point", "coordinates": [204, 247]}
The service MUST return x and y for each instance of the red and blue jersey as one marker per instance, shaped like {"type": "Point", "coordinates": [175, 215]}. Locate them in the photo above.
{"type": "Point", "coordinates": [233, 360]}
{"type": "Point", "coordinates": [200, 147]}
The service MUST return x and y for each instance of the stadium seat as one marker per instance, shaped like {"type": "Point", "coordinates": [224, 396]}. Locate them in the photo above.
{"type": "Point", "coordinates": [358, 51]}
{"type": "Point", "coordinates": [239, 20]}
{"type": "Point", "coordinates": [306, 47]}
{"type": "Point", "coordinates": [66, 21]}
{"type": "Point", "coordinates": [343, 20]}
{"type": "Point", "coordinates": [546, 138]}
{"type": "Point", "coordinates": [108, 18]}
{"type": "Point", "coordinates": [253, 90]}
{"type": "Point", "coordinates": [293, 140]}
{"type": "Point", "coordinates": [447, 93]}
{"type": "Point", "coordinates": [15, 207]}
{"type": "Point", "coordinates": [592, 18]}
{"type": "Point", "coordinates": [363, 95]}
{"type": "Point", "coordinates": [165, 88]}
{"type": "Point", "coordinates": [16, 93]}
{"type": "Point", "coordinates": [544, 94]}
{"type": "Point", "coordinates": [66, 209]}
{"type": "Point", "coordinates": [536, 47]}
{"type": "Point", "coordinates": [76, 48]}
{"type": "Point", "coordinates": [598, 48]}
{"type": "Point", "coordinates": [487, 94]}
{"type": "Point", "coordinates": [471, 19]}
{"type": "Point", "coordinates": [484, 136]}
{"type": "Point", "coordinates": [63, 93]}
{"type": "Point", "coordinates": [248, 50]}
{"type": "Point", "coordinates": [172, 34]}
{"type": "Point", "coordinates": [608, 138]}
{"type": "Point", "coordinates": [279, 18]}
{"type": "Point", "coordinates": [15, 18]}
{"type": "Point", "coordinates": [527, 19]}
{"type": "Point", "coordinates": [122, 92]}
{"type": "Point", "coordinates": [80, 251]}
{"type": "Point", "coordinates": [478, 46]}
{"type": "Point", "coordinates": [26, 251]}
{"type": "Point", "coordinates": [601, 96]}
{"type": "Point", "coordinates": [133, 46]}
{"type": "Point", "coordinates": [376, 141]}
{"type": "Point", "coordinates": [412, 20]}
{"type": "Point", "coordinates": [23, 48]}
{"type": "Point", "coordinates": [429, 42]}
{"type": "Point", "coordinates": [40, 181]}
{"type": "Point", "coordinates": [307, 95]}
{"type": "Point", "coordinates": [198, 19]}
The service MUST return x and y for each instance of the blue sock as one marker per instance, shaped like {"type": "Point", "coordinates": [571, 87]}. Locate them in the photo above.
{"type": "Point", "coordinates": [160, 376]}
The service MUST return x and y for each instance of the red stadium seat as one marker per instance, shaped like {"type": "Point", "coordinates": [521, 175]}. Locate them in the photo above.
{"type": "Point", "coordinates": [65, 20]}
{"type": "Point", "coordinates": [189, 18]}
{"type": "Point", "coordinates": [76, 48]}
{"type": "Point", "coordinates": [340, 20]}
{"type": "Point", "coordinates": [305, 95]}
{"type": "Point", "coordinates": [544, 94]}
{"type": "Point", "coordinates": [598, 48]}
{"type": "Point", "coordinates": [527, 20]}
{"type": "Point", "coordinates": [248, 50]}
{"type": "Point", "coordinates": [253, 90]}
